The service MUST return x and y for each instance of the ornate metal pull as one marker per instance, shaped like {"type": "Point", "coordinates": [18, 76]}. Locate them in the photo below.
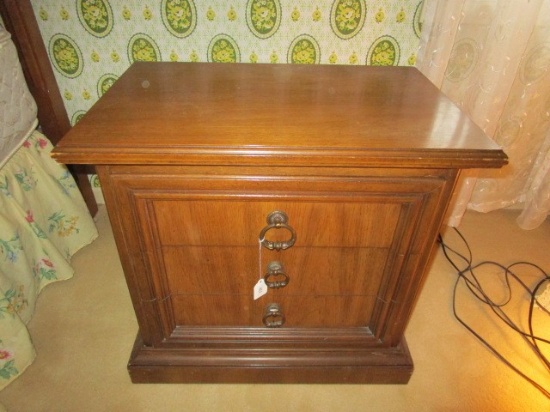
{"type": "Point", "coordinates": [277, 220]}
{"type": "Point", "coordinates": [276, 277]}
{"type": "Point", "coordinates": [273, 316]}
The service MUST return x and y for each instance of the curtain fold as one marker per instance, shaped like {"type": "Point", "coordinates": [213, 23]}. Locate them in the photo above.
{"type": "Point", "coordinates": [492, 58]}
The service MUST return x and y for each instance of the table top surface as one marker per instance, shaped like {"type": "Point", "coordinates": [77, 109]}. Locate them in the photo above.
{"type": "Point", "coordinates": [314, 115]}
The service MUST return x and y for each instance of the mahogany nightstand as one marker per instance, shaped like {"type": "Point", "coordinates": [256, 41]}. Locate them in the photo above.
{"type": "Point", "coordinates": [329, 183]}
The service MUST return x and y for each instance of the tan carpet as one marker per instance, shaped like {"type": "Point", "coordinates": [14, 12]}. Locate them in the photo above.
{"type": "Point", "coordinates": [84, 328]}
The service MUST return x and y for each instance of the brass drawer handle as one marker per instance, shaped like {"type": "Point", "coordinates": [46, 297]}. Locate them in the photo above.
{"type": "Point", "coordinates": [277, 220]}
{"type": "Point", "coordinates": [276, 277]}
{"type": "Point", "coordinates": [273, 316]}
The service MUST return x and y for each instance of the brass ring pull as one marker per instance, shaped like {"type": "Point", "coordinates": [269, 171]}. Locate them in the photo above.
{"type": "Point", "coordinates": [276, 277]}
{"type": "Point", "coordinates": [277, 220]}
{"type": "Point", "coordinates": [273, 316]}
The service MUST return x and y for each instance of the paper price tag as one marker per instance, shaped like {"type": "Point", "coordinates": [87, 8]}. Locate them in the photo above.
{"type": "Point", "coordinates": [260, 289]}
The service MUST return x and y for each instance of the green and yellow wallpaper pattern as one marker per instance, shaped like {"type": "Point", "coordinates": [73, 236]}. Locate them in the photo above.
{"type": "Point", "coordinates": [92, 42]}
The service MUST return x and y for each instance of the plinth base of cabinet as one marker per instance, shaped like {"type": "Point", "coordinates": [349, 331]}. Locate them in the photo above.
{"type": "Point", "coordinates": [380, 365]}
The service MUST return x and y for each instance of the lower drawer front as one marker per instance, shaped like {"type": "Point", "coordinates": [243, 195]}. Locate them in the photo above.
{"type": "Point", "coordinates": [298, 311]}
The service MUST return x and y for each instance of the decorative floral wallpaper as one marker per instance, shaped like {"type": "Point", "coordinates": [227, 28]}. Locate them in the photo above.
{"type": "Point", "coordinates": [92, 42]}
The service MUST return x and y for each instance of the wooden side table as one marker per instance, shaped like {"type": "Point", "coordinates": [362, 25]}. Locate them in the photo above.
{"type": "Point", "coordinates": [323, 187]}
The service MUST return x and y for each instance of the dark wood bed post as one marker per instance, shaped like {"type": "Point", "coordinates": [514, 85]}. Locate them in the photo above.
{"type": "Point", "coordinates": [20, 21]}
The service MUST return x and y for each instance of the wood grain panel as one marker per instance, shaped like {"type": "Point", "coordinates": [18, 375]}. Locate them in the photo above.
{"type": "Point", "coordinates": [313, 115]}
{"type": "Point", "coordinates": [300, 311]}
{"type": "Point", "coordinates": [312, 271]}
{"type": "Point", "coordinates": [239, 223]}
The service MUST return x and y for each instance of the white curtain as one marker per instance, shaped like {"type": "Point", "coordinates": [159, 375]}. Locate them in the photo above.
{"type": "Point", "coordinates": [492, 58]}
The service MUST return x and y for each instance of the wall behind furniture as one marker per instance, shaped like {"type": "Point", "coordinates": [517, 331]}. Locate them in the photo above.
{"type": "Point", "coordinates": [92, 42]}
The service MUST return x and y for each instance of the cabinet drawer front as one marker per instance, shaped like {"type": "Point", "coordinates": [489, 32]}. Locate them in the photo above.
{"type": "Point", "coordinates": [311, 271]}
{"type": "Point", "coordinates": [239, 223]}
{"type": "Point", "coordinates": [299, 311]}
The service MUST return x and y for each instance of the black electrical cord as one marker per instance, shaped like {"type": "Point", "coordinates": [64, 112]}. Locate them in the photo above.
{"type": "Point", "coordinates": [468, 276]}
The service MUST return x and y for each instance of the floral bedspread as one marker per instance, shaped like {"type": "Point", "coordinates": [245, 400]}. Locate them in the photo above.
{"type": "Point", "coordinates": [43, 222]}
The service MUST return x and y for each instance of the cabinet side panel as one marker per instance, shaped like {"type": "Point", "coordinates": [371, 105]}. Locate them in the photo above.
{"type": "Point", "coordinates": [418, 258]}
{"type": "Point", "coordinates": [127, 232]}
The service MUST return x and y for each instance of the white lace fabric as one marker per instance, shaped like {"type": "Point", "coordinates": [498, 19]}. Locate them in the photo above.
{"type": "Point", "coordinates": [17, 106]}
{"type": "Point", "coordinates": [492, 58]}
